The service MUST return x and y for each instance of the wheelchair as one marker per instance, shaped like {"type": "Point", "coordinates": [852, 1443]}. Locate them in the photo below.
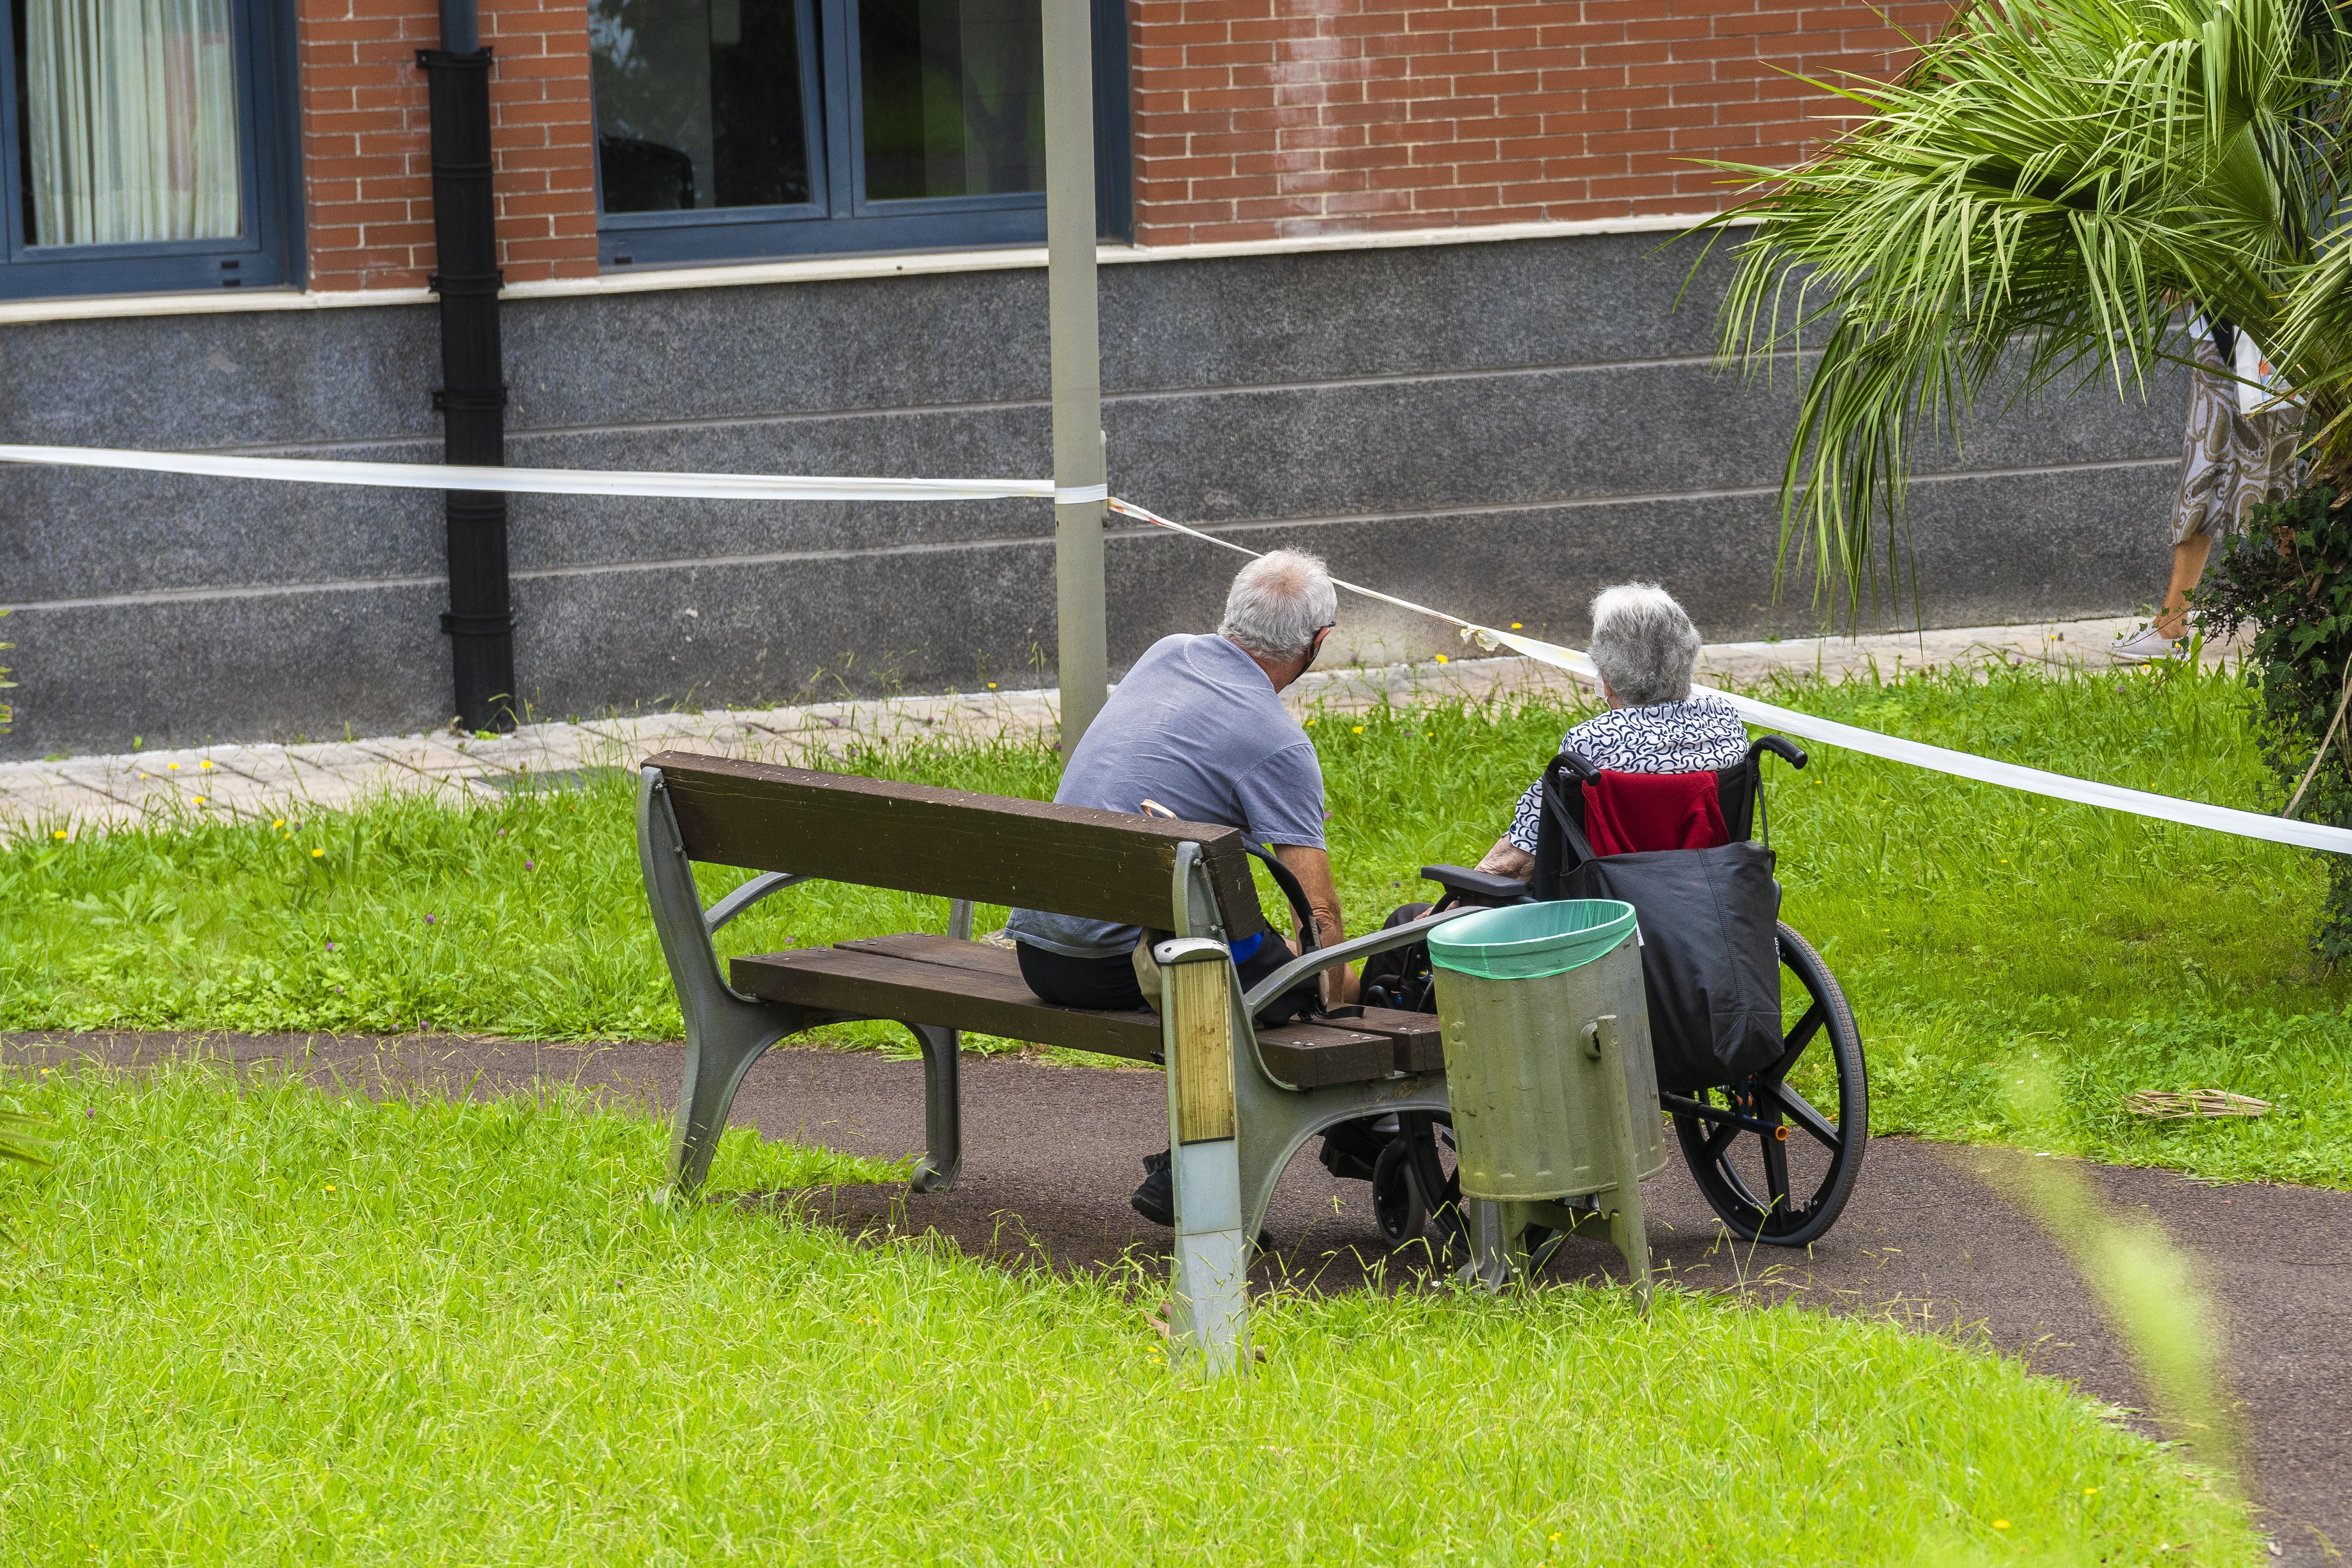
{"type": "Point", "coordinates": [1776, 1153]}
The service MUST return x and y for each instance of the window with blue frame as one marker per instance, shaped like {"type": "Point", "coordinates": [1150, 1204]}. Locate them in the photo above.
{"type": "Point", "coordinates": [734, 130]}
{"type": "Point", "coordinates": [146, 145]}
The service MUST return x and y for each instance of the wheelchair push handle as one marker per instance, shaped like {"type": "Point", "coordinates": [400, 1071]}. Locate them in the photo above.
{"type": "Point", "coordinates": [1779, 746]}
{"type": "Point", "coordinates": [1292, 892]}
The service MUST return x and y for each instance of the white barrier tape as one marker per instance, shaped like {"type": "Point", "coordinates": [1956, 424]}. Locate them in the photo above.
{"type": "Point", "coordinates": [777, 486]}
{"type": "Point", "coordinates": [533, 481]}
{"type": "Point", "coordinates": [1828, 731]}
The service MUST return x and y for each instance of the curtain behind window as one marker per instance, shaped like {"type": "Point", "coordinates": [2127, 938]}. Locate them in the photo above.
{"type": "Point", "coordinates": [133, 106]}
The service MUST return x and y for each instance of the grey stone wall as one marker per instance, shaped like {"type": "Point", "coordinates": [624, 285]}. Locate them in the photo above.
{"type": "Point", "coordinates": [1497, 429]}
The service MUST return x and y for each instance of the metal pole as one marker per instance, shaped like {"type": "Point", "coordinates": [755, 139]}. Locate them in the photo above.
{"type": "Point", "coordinates": [1081, 652]}
{"type": "Point", "coordinates": [473, 396]}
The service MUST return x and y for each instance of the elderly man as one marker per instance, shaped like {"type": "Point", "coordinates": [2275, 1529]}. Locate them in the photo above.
{"type": "Point", "coordinates": [1197, 726]}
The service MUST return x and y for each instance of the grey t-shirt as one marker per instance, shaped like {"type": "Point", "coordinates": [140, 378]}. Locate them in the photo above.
{"type": "Point", "coordinates": [1197, 726]}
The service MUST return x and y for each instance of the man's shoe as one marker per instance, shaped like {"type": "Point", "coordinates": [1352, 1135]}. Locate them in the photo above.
{"type": "Point", "coordinates": [1156, 1199]}
{"type": "Point", "coordinates": [2144, 646]}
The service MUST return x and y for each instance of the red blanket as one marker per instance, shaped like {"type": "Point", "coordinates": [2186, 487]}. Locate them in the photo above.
{"type": "Point", "coordinates": [1629, 812]}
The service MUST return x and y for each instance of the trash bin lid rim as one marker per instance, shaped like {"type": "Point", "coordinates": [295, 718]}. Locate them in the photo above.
{"type": "Point", "coordinates": [1456, 946]}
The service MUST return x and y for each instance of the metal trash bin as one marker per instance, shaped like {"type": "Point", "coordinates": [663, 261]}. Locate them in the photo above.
{"type": "Point", "coordinates": [1547, 1065]}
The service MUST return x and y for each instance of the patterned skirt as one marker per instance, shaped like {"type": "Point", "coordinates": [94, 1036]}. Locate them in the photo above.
{"type": "Point", "coordinates": [2229, 462]}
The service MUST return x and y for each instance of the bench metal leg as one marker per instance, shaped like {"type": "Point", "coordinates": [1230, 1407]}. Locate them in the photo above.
{"type": "Point", "coordinates": [1276, 1123]}
{"type": "Point", "coordinates": [1209, 1316]}
{"type": "Point", "coordinates": [942, 1109]}
{"type": "Point", "coordinates": [718, 1052]}
{"type": "Point", "coordinates": [726, 1031]}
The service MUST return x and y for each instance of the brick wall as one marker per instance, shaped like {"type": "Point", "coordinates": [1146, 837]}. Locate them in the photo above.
{"type": "Point", "coordinates": [366, 147]}
{"type": "Point", "coordinates": [1255, 119]}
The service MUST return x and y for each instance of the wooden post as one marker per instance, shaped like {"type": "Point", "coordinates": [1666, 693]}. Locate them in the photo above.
{"type": "Point", "coordinates": [1209, 1315]}
{"type": "Point", "coordinates": [1081, 646]}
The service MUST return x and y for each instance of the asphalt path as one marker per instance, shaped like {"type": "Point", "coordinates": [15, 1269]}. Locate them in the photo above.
{"type": "Point", "coordinates": [1051, 1151]}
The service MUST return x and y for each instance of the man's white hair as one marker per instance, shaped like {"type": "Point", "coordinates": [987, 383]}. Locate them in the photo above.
{"type": "Point", "coordinates": [1278, 603]}
{"type": "Point", "coordinates": [1643, 644]}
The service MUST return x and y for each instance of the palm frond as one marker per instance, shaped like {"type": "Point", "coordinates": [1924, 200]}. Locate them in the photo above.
{"type": "Point", "coordinates": [2028, 203]}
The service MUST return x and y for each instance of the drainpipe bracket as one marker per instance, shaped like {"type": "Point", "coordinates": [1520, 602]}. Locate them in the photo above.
{"type": "Point", "coordinates": [454, 624]}
{"type": "Point", "coordinates": [444, 400]}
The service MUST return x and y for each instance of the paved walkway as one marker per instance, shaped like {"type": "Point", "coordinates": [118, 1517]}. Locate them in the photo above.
{"type": "Point", "coordinates": [239, 781]}
{"type": "Point", "coordinates": [1051, 1154]}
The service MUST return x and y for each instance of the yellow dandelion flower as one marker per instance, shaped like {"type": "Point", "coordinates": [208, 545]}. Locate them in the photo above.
{"type": "Point", "coordinates": [1360, 729]}
{"type": "Point", "coordinates": [318, 854]}
{"type": "Point", "coordinates": [60, 833]}
{"type": "Point", "coordinates": [200, 800]}
{"type": "Point", "coordinates": [207, 764]}
{"type": "Point", "coordinates": [1515, 626]}
{"type": "Point", "coordinates": [174, 767]}
{"type": "Point", "coordinates": [1441, 658]}
{"type": "Point", "coordinates": [2000, 1524]}
{"type": "Point", "coordinates": [279, 823]}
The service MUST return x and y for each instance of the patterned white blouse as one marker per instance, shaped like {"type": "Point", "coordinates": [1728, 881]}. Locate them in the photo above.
{"type": "Point", "coordinates": [1699, 733]}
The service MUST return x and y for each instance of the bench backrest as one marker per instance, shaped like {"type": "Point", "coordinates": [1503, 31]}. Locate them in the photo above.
{"type": "Point", "coordinates": [951, 843]}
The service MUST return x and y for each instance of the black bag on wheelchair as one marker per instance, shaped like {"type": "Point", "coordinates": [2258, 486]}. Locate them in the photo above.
{"type": "Point", "coordinates": [1708, 926]}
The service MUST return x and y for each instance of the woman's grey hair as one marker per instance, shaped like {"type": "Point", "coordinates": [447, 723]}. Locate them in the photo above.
{"type": "Point", "coordinates": [1278, 603]}
{"type": "Point", "coordinates": [1643, 644]}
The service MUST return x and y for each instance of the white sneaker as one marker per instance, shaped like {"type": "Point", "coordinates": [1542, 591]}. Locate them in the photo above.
{"type": "Point", "coordinates": [2143, 646]}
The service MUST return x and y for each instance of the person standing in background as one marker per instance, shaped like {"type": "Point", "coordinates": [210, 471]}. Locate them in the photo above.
{"type": "Point", "coordinates": [2239, 451]}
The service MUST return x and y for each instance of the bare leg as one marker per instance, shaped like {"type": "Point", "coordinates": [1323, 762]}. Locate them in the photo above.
{"type": "Point", "coordinates": [2187, 567]}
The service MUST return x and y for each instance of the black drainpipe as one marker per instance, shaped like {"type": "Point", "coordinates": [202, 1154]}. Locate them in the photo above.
{"type": "Point", "coordinates": [473, 396]}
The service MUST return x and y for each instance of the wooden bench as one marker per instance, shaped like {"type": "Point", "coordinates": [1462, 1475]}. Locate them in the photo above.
{"type": "Point", "coordinates": [1188, 883]}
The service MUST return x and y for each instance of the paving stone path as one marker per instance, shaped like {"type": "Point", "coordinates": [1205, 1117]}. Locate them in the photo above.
{"type": "Point", "coordinates": [76, 794]}
{"type": "Point", "coordinates": [1052, 1150]}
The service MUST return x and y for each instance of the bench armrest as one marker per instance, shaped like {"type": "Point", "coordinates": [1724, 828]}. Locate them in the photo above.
{"type": "Point", "coordinates": [1324, 958]}
{"type": "Point", "coordinates": [744, 897]}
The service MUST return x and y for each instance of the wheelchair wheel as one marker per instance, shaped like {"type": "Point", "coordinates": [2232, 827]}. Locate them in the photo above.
{"type": "Point", "coordinates": [1397, 1209]}
{"type": "Point", "coordinates": [1777, 1156]}
{"type": "Point", "coordinates": [1424, 1156]}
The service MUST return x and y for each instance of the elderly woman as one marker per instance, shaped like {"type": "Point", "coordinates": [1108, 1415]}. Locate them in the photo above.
{"type": "Point", "coordinates": [1646, 648]}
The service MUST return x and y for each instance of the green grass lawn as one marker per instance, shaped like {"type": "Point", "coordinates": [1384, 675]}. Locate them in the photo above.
{"type": "Point", "coordinates": [1980, 933]}
{"type": "Point", "coordinates": [246, 1321]}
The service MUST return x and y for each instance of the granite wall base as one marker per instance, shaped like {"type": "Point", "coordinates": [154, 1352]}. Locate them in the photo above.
{"type": "Point", "coordinates": [1498, 430]}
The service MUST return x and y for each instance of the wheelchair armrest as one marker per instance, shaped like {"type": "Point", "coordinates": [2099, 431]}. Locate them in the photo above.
{"type": "Point", "coordinates": [1479, 884]}
{"type": "Point", "coordinates": [1347, 951]}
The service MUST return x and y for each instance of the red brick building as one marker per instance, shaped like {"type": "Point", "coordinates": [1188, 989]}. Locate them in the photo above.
{"type": "Point", "coordinates": [1238, 119]}
{"type": "Point", "coordinates": [1388, 285]}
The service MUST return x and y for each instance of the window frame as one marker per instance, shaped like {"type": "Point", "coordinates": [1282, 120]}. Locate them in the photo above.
{"type": "Point", "coordinates": [842, 219]}
{"type": "Point", "coordinates": [268, 253]}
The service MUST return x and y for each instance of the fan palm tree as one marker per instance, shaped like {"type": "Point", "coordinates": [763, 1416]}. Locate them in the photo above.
{"type": "Point", "coordinates": [2034, 201]}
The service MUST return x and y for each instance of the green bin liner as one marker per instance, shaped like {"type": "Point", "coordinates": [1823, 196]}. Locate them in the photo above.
{"type": "Point", "coordinates": [1525, 942]}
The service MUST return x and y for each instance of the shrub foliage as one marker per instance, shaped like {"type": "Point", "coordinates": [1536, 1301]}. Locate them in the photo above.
{"type": "Point", "coordinates": [2289, 576]}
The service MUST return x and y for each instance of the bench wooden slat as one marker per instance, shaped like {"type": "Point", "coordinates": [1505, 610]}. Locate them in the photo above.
{"type": "Point", "coordinates": [878, 985]}
{"type": "Point", "coordinates": [990, 849]}
{"type": "Point", "coordinates": [1413, 1035]}
{"type": "Point", "coordinates": [1313, 1055]}
{"type": "Point", "coordinates": [923, 978]}
{"type": "Point", "coordinates": [929, 947]}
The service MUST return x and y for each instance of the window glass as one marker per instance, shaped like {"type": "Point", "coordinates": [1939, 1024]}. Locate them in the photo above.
{"type": "Point", "coordinates": [698, 104]}
{"type": "Point", "coordinates": [954, 97]}
{"type": "Point", "coordinates": [130, 121]}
